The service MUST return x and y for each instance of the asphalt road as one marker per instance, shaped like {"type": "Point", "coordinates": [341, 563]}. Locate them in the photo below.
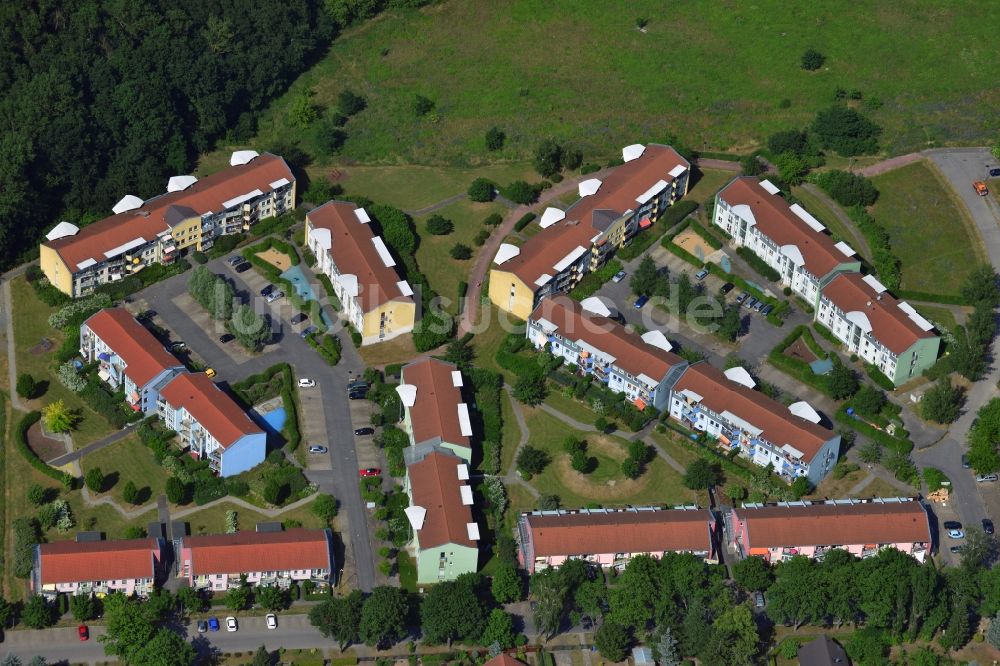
{"type": "Point", "coordinates": [342, 479]}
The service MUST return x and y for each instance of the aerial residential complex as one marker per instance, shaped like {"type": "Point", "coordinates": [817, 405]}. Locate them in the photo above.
{"type": "Point", "coordinates": [222, 561]}
{"type": "Point", "coordinates": [376, 300]}
{"type": "Point", "coordinates": [129, 358]}
{"type": "Point", "coordinates": [580, 239]}
{"type": "Point", "coordinates": [191, 214]}
{"type": "Point", "coordinates": [435, 413]}
{"type": "Point", "coordinates": [445, 535]}
{"type": "Point", "coordinates": [725, 406]}
{"type": "Point", "coordinates": [132, 566]}
{"type": "Point", "coordinates": [641, 367]}
{"type": "Point", "coordinates": [787, 238]}
{"type": "Point", "coordinates": [780, 531]}
{"type": "Point", "coordinates": [885, 332]}
{"type": "Point", "coordinates": [611, 537]}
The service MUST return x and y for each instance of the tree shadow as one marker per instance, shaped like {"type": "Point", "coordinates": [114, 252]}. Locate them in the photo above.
{"type": "Point", "coordinates": [110, 481]}
{"type": "Point", "coordinates": [144, 495]}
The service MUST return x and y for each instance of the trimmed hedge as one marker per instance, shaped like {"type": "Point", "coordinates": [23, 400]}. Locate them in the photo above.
{"type": "Point", "coordinates": [800, 370]}
{"type": "Point", "coordinates": [933, 298]}
{"type": "Point", "coordinates": [21, 439]}
{"type": "Point", "coordinates": [524, 221]}
{"type": "Point", "coordinates": [885, 439]}
{"type": "Point", "coordinates": [645, 240]}
{"type": "Point", "coordinates": [594, 280]}
{"type": "Point", "coordinates": [706, 235]}
{"type": "Point", "coordinates": [758, 264]}
{"type": "Point", "coordinates": [328, 347]}
{"type": "Point", "coordinates": [879, 378]}
{"type": "Point", "coordinates": [826, 333]}
{"type": "Point", "coordinates": [242, 389]}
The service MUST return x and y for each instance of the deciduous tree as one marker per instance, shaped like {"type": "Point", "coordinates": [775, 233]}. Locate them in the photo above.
{"type": "Point", "coordinates": [452, 611]}
{"type": "Point", "coordinates": [612, 640]}
{"type": "Point", "coordinates": [506, 585]}
{"type": "Point", "coordinates": [383, 617]}
{"type": "Point", "coordinates": [339, 618]}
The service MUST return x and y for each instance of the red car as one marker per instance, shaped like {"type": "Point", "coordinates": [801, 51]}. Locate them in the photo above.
{"type": "Point", "coordinates": [371, 471]}
{"type": "Point", "coordinates": [83, 632]}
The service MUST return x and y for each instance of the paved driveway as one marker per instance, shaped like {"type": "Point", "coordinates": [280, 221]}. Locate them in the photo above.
{"type": "Point", "coordinates": [337, 474]}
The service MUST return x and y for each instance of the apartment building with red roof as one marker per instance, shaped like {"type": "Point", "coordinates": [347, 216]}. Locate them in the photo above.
{"type": "Point", "coordinates": [129, 357]}
{"type": "Point", "coordinates": [642, 367]}
{"type": "Point", "coordinates": [580, 239]}
{"type": "Point", "coordinates": [726, 407]}
{"type": "Point", "coordinates": [611, 537]}
{"type": "Point", "coordinates": [781, 531]}
{"type": "Point", "coordinates": [131, 566]}
{"type": "Point", "coordinates": [883, 331]}
{"type": "Point", "coordinates": [434, 411]}
{"type": "Point", "coordinates": [445, 535]}
{"type": "Point", "coordinates": [211, 424]}
{"type": "Point", "coordinates": [785, 236]}
{"type": "Point", "coordinates": [376, 300]}
{"type": "Point", "coordinates": [191, 214]}
{"type": "Point", "coordinates": [219, 562]}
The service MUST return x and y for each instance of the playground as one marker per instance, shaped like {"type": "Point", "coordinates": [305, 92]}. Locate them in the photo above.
{"type": "Point", "coordinates": [279, 260]}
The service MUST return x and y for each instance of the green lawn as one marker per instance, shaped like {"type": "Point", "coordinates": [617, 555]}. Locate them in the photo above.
{"type": "Point", "coordinates": [606, 486]}
{"type": "Point", "coordinates": [929, 230]}
{"type": "Point", "coordinates": [490, 330]}
{"type": "Point", "coordinates": [30, 326]}
{"type": "Point", "coordinates": [483, 67]}
{"type": "Point", "coordinates": [443, 272]}
{"type": "Point", "coordinates": [938, 315]}
{"type": "Point", "coordinates": [213, 519]}
{"type": "Point", "coordinates": [511, 432]}
{"type": "Point", "coordinates": [128, 460]}
{"type": "Point", "coordinates": [825, 214]}
{"type": "Point", "coordinates": [708, 183]}
{"type": "Point", "coordinates": [407, 571]}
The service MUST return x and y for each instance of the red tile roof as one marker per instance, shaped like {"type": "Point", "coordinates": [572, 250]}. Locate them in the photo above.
{"type": "Point", "coordinates": [578, 534]}
{"type": "Point", "coordinates": [504, 660]}
{"type": "Point", "coordinates": [778, 424]}
{"type": "Point", "coordinates": [143, 354]}
{"type": "Point", "coordinates": [72, 562]}
{"type": "Point", "coordinates": [617, 194]}
{"type": "Point", "coordinates": [353, 251]}
{"type": "Point", "coordinates": [211, 406]}
{"type": "Point", "coordinates": [434, 413]}
{"type": "Point", "coordinates": [245, 552]}
{"type": "Point", "coordinates": [434, 485]}
{"type": "Point", "coordinates": [147, 221]}
{"type": "Point", "coordinates": [775, 219]}
{"type": "Point", "coordinates": [835, 524]}
{"type": "Point", "coordinates": [631, 352]}
{"type": "Point", "coordinates": [890, 325]}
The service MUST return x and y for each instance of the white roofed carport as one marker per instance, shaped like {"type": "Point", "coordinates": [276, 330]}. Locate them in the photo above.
{"type": "Point", "coordinates": [550, 217]}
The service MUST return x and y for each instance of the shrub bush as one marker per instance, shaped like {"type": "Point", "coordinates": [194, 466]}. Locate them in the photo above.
{"type": "Point", "coordinates": [758, 264]}
{"type": "Point", "coordinates": [521, 192]}
{"type": "Point", "coordinates": [21, 440]}
{"type": "Point", "coordinates": [524, 221]}
{"type": "Point", "coordinates": [594, 280]}
{"type": "Point", "coordinates": [812, 60]}
{"type": "Point", "coordinates": [460, 252]}
{"type": "Point", "coordinates": [847, 189]}
{"type": "Point", "coordinates": [493, 219]}
{"type": "Point", "coordinates": [439, 226]}
{"type": "Point", "coordinates": [482, 190]}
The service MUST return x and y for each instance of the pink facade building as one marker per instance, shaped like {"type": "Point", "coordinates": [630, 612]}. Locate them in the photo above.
{"type": "Point", "coordinates": [219, 562]}
{"type": "Point", "coordinates": [611, 537]}
{"type": "Point", "coordinates": [131, 566]}
{"type": "Point", "coordinates": [862, 527]}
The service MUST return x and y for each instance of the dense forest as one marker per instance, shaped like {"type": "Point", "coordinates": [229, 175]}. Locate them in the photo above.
{"type": "Point", "coordinates": [108, 97]}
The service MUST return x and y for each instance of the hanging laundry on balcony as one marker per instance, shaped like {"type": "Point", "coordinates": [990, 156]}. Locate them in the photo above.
{"type": "Point", "coordinates": [645, 223]}
{"type": "Point", "coordinates": [639, 404]}
{"type": "Point", "coordinates": [104, 356]}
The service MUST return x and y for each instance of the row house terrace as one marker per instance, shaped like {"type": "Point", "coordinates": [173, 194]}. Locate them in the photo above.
{"type": "Point", "coordinates": [434, 411]}
{"type": "Point", "coordinates": [871, 323]}
{"type": "Point", "coordinates": [129, 357]}
{"type": "Point", "coordinates": [784, 530]}
{"type": "Point", "coordinates": [726, 407]}
{"type": "Point", "coordinates": [211, 425]}
{"type": "Point", "coordinates": [131, 566]}
{"type": "Point", "coordinates": [641, 367]}
{"type": "Point", "coordinates": [189, 215]}
{"type": "Point", "coordinates": [786, 237]}
{"type": "Point", "coordinates": [610, 538]}
{"type": "Point", "coordinates": [376, 300]}
{"type": "Point", "coordinates": [580, 239]}
{"type": "Point", "coordinates": [220, 562]}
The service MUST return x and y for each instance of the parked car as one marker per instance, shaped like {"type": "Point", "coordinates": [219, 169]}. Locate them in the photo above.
{"type": "Point", "coordinates": [299, 318]}
{"type": "Point", "coordinates": [357, 395]}
{"type": "Point", "coordinates": [148, 314]}
{"type": "Point", "coordinates": [758, 600]}
{"type": "Point", "coordinates": [726, 288]}
{"type": "Point", "coordinates": [307, 331]}
{"type": "Point", "coordinates": [986, 478]}
{"type": "Point", "coordinates": [364, 431]}
{"type": "Point", "coordinates": [955, 549]}
{"type": "Point", "coordinates": [619, 276]}
{"type": "Point", "coordinates": [750, 302]}
{"type": "Point", "coordinates": [759, 305]}
{"type": "Point", "coordinates": [267, 290]}
{"type": "Point", "coordinates": [317, 449]}
{"type": "Point", "coordinates": [242, 268]}
{"type": "Point", "coordinates": [357, 385]}
{"type": "Point", "coordinates": [305, 382]}
{"type": "Point", "coordinates": [235, 260]}
{"type": "Point", "coordinates": [209, 373]}
{"type": "Point", "coordinates": [994, 173]}
{"type": "Point", "coordinates": [177, 346]}
{"type": "Point", "coordinates": [213, 623]}
{"type": "Point", "coordinates": [272, 621]}
{"type": "Point", "coordinates": [767, 310]}
{"type": "Point", "coordinates": [274, 295]}
{"type": "Point", "coordinates": [952, 525]}
{"type": "Point", "coordinates": [202, 626]}
{"type": "Point", "coordinates": [980, 188]}
{"type": "Point", "coordinates": [231, 624]}
{"type": "Point", "coordinates": [83, 632]}
{"type": "Point", "coordinates": [641, 301]}
{"type": "Point", "coordinates": [956, 534]}
{"type": "Point", "coordinates": [742, 297]}
{"type": "Point", "coordinates": [987, 525]}
{"type": "Point", "coordinates": [226, 337]}
{"type": "Point", "coordinates": [965, 462]}
{"type": "Point", "coordinates": [371, 471]}
{"type": "Point", "coordinates": [701, 275]}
